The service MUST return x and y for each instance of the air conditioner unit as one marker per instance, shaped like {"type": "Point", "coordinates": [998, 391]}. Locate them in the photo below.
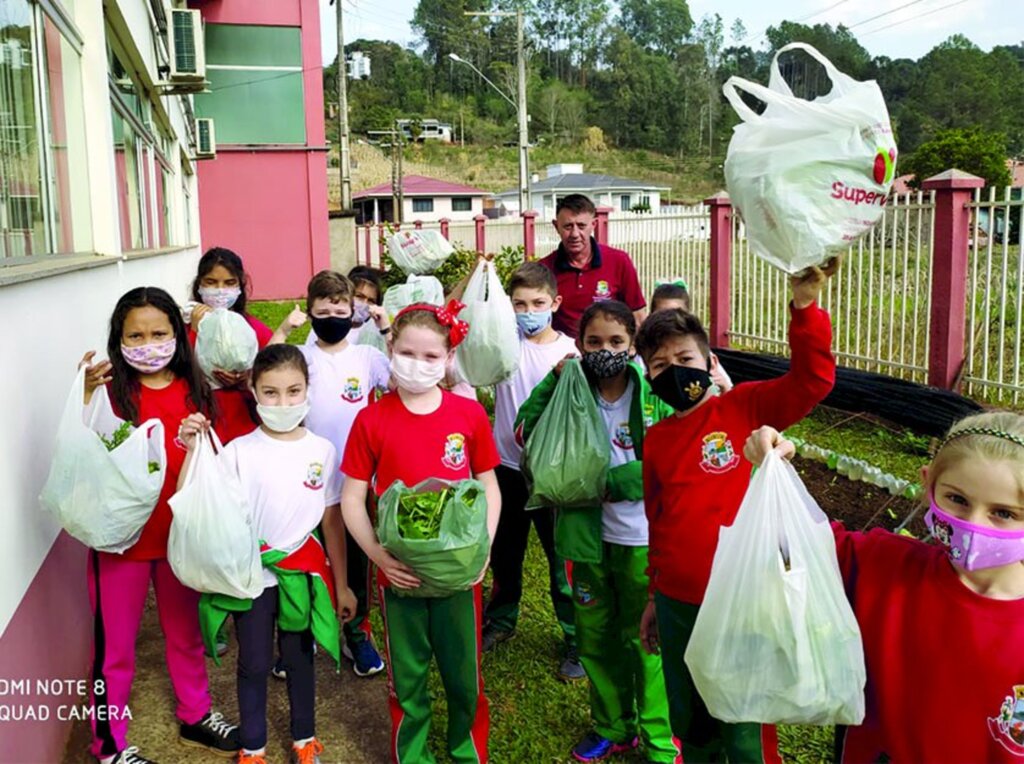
{"type": "Point", "coordinates": [206, 141]}
{"type": "Point", "coordinates": [186, 46]}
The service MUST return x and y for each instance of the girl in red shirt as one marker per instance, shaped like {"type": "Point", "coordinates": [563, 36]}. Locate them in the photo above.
{"type": "Point", "coordinates": [417, 432]}
{"type": "Point", "coordinates": [150, 373]}
{"type": "Point", "coordinates": [942, 621]}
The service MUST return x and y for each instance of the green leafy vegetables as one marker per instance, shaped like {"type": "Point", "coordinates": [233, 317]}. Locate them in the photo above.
{"type": "Point", "coordinates": [119, 436]}
{"type": "Point", "coordinates": [420, 514]}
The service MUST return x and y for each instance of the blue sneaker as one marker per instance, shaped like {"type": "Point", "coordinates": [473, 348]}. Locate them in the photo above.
{"type": "Point", "coordinates": [366, 661]}
{"type": "Point", "coordinates": [594, 747]}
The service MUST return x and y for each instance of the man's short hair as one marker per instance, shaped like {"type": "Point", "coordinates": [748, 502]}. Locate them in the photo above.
{"type": "Point", "coordinates": [666, 325]}
{"type": "Point", "coordinates": [577, 203]}
{"type": "Point", "coordinates": [533, 276]}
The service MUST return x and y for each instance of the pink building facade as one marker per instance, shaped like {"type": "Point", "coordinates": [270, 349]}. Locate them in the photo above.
{"type": "Point", "coordinates": [265, 193]}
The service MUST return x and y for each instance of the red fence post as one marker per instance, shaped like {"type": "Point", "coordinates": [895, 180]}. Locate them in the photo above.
{"type": "Point", "coordinates": [380, 242]}
{"type": "Point", "coordinates": [369, 244]}
{"type": "Point", "coordinates": [947, 334]}
{"type": "Point", "coordinates": [601, 227]}
{"type": "Point", "coordinates": [418, 224]}
{"type": "Point", "coordinates": [444, 227]}
{"type": "Point", "coordinates": [529, 234]}
{"type": "Point", "coordinates": [481, 221]}
{"type": "Point", "coordinates": [720, 209]}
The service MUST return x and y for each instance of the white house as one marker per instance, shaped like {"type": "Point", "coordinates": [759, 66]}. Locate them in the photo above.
{"type": "Point", "coordinates": [98, 195]}
{"type": "Point", "coordinates": [621, 194]}
{"type": "Point", "coordinates": [426, 199]}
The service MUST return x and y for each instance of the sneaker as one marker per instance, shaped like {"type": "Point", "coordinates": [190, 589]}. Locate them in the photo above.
{"type": "Point", "coordinates": [252, 758]}
{"type": "Point", "coordinates": [307, 754]}
{"type": "Point", "coordinates": [594, 747]}
{"type": "Point", "coordinates": [571, 669]}
{"type": "Point", "coordinates": [129, 755]}
{"type": "Point", "coordinates": [279, 671]}
{"type": "Point", "coordinates": [366, 661]}
{"type": "Point", "coordinates": [493, 636]}
{"type": "Point", "coordinates": [212, 732]}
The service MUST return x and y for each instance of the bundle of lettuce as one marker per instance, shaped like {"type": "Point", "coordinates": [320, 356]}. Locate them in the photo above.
{"type": "Point", "coordinates": [439, 529]}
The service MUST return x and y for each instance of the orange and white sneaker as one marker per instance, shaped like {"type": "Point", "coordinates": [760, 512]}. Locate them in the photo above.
{"type": "Point", "coordinates": [244, 757]}
{"type": "Point", "coordinates": [308, 753]}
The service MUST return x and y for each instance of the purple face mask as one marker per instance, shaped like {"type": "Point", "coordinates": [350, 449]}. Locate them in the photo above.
{"type": "Point", "coordinates": [150, 358]}
{"type": "Point", "coordinates": [974, 547]}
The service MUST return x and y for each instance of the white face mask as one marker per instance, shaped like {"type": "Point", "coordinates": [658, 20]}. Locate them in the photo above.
{"type": "Point", "coordinates": [416, 376]}
{"type": "Point", "coordinates": [283, 418]}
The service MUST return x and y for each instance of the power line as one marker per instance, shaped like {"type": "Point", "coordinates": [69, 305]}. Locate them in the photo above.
{"type": "Point", "coordinates": [887, 13]}
{"type": "Point", "coordinates": [798, 21]}
{"type": "Point", "coordinates": [914, 18]}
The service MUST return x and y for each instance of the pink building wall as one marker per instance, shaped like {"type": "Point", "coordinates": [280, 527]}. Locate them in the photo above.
{"type": "Point", "coordinates": [269, 203]}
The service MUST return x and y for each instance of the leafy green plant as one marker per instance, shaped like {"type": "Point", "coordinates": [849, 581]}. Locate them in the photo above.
{"type": "Point", "coordinates": [458, 266]}
{"type": "Point", "coordinates": [420, 514]}
{"type": "Point", "coordinates": [119, 436]}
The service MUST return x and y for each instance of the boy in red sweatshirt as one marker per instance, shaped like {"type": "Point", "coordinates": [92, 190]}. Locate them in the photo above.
{"type": "Point", "coordinates": [694, 480]}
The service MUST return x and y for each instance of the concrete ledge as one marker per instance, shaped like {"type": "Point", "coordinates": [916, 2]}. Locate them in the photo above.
{"type": "Point", "coordinates": [53, 266]}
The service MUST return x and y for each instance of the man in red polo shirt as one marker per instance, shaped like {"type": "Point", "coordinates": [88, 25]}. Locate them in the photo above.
{"type": "Point", "coordinates": [586, 272]}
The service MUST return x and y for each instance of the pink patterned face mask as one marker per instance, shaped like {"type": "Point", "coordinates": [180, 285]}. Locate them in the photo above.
{"type": "Point", "coordinates": [971, 546]}
{"type": "Point", "coordinates": [150, 358]}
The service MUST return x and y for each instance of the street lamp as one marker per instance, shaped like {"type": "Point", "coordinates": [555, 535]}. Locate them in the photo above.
{"type": "Point", "coordinates": [520, 107]}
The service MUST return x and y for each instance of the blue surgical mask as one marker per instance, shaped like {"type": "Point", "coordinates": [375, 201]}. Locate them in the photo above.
{"type": "Point", "coordinates": [534, 323]}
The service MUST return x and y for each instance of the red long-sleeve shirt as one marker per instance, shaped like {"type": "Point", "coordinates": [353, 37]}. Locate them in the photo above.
{"type": "Point", "coordinates": [694, 471]}
{"type": "Point", "coordinates": [945, 668]}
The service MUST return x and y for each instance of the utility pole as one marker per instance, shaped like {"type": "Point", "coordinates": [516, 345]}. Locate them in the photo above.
{"type": "Point", "coordinates": [344, 159]}
{"type": "Point", "coordinates": [400, 210]}
{"type": "Point", "coordinates": [396, 145]}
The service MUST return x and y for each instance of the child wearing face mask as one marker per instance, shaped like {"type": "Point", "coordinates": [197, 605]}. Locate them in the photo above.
{"type": "Point", "coordinates": [418, 432]}
{"type": "Point", "coordinates": [608, 547]}
{"type": "Point", "coordinates": [535, 298]}
{"type": "Point", "coordinates": [944, 619]}
{"type": "Point", "coordinates": [150, 373]}
{"type": "Point", "coordinates": [675, 295]}
{"type": "Point", "coordinates": [343, 379]}
{"type": "Point", "coordinates": [367, 313]}
{"type": "Point", "coordinates": [694, 479]}
{"type": "Point", "coordinates": [291, 479]}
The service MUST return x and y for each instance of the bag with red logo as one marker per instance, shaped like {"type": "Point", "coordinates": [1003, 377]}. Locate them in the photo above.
{"type": "Point", "coordinates": [776, 640]}
{"type": "Point", "coordinates": [419, 251]}
{"type": "Point", "coordinates": [809, 178]}
{"type": "Point", "coordinates": [490, 352]}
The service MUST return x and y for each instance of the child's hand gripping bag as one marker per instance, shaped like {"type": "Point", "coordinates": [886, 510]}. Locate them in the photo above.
{"type": "Point", "coordinates": [212, 546]}
{"type": "Point", "coordinates": [490, 352]}
{"type": "Point", "coordinates": [416, 289]}
{"type": "Point", "coordinates": [225, 341]}
{"type": "Point", "coordinates": [106, 477]}
{"type": "Point", "coordinates": [439, 529]}
{"type": "Point", "coordinates": [776, 640]}
{"type": "Point", "coordinates": [419, 251]}
{"type": "Point", "coordinates": [809, 178]}
{"type": "Point", "coordinates": [565, 459]}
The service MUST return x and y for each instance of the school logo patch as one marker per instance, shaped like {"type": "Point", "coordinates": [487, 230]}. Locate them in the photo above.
{"type": "Point", "coordinates": [314, 476]}
{"type": "Point", "coordinates": [454, 451]}
{"type": "Point", "coordinates": [353, 392]}
{"type": "Point", "coordinates": [622, 437]}
{"type": "Point", "coordinates": [584, 596]}
{"type": "Point", "coordinates": [648, 415]}
{"type": "Point", "coordinates": [1007, 728]}
{"type": "Point", "coordinates": [717, 454]}
{"type": "Point", "coordinates": [602, 291]}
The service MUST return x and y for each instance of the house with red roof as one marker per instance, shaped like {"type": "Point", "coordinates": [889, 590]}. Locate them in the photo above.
{"type": "Point", "coordinates": [426, 199]}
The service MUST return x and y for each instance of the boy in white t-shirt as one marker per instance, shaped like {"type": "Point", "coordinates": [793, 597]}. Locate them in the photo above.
{"type": "Point", "coordinates": [370, 325]}
{"type": "Point", "coordinates": [292, 482]}
{"type": "Point", "coordinates": [535, 297]}
{"type": "Point", "coordinates": [343, 378]}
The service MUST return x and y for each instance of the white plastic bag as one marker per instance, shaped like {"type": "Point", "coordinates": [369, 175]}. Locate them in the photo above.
{"type": "Point", "coordinates": [415, 289]}
{"type": "Point", "coordinates": [778, 644]}
{"type": "Point", "coordinates": [809, 178]}
{"type": "Point", "coordinates": [103, 498]}
{"type": "Point", "coordinates": [419, 251]}
{"type": "Point", "coordinates": [212, 546]}
{"type": "Point", "coordinates": [225, 341]}
{"type": "Point", "coordinates": [490, 352]}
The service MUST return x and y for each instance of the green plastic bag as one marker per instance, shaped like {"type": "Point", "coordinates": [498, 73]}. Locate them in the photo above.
{"type": "Point", "coordinates": [446, 545]}
{"type": "Point", "coordinates": [566, 457]}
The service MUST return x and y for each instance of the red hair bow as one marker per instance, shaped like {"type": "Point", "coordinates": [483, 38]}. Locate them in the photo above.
{"type": "Point", "coordinates": [446, 316]}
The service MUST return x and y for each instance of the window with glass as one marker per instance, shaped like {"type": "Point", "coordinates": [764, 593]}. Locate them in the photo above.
{"type": "Point", "coordinates": [44, 183]}
{"type": "Point", "coordinates": [462, 204]}
{"type": "Point", "coordinates": [624, 204]}
{"type": "Point", "coordinates": [422, 205]}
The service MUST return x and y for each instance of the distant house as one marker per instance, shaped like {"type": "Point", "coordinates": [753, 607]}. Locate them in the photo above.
{"type": "Point", "coordinates": [621, 194]}
{"type": "Point", "coordinates": [426, 199]}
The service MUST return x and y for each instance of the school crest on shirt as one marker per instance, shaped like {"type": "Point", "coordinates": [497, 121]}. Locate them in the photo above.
{"type": "Point", "coordinates": [602, 291]}
{"type": "Point", "coordinates": [622, 437]}
{"type": "Point", "coordinates": [717, 453]}
{"type": "Point", "coordinates": [314, 476]}
{"type": "Point", "coordinates": [648, 415]}
{"type": "Point", "coordinates": [353, 392]}
{"type": "Point", "coordinates": [1008, 727]}
{"type": "Point", "coordinates": [454, 451]}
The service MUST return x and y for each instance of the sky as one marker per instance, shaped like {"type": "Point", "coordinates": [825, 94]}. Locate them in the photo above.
{"type": "Point", "coordinates": [909, 28]}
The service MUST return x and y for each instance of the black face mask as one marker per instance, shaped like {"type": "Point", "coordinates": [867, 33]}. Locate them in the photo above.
{"type": "Point", "coordinates": [603, 363]}
{"type": "Point", "coordinates": [681, 387]}
{"type": "Point", "coordinates": [332, 329]}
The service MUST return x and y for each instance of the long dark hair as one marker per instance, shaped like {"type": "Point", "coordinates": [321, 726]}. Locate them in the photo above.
{"type": "Point", "coordinates": [125, 384]}
{"type": "Point", "coordinates": [223, 256]}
